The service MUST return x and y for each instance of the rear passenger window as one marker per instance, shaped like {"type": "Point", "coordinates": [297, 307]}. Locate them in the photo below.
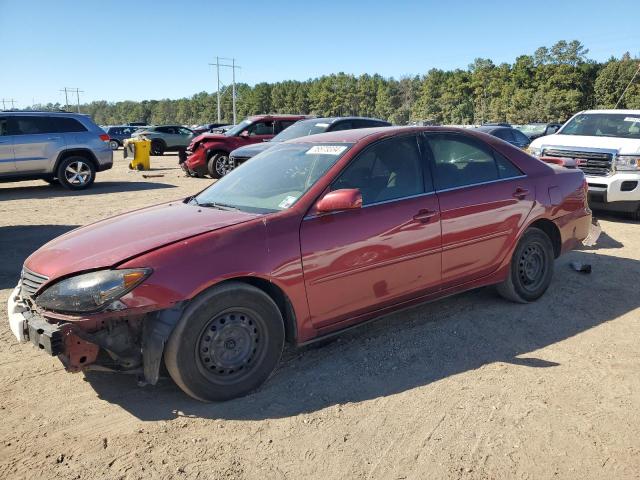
{"type": "Point", "coordinates": [342, 126]}
{"type": "Point", "coordinates": [388, 170]}
{"type": "Point", "coordinates": [24, 125]}
{"type": "Point", "coordinates": [504, 134]}
{"type": "Point", "coordinates": [67, 125]}
{"type": "Point", "coordinates": [285, 124]}
{"type": "Point", "coordinates": [460, 162]}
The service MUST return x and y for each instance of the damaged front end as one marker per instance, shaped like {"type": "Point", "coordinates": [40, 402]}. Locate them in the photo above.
{"type": "Point", "coordinates": [115, 340]}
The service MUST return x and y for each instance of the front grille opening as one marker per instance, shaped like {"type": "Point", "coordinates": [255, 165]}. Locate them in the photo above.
{"type": "Point", "coordinates": [628, 185]}
{"type": "Point", "coordinates": [591, 163]}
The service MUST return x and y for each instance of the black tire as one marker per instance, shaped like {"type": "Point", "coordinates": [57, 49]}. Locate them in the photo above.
{"type": "Point", "coordinates": [531, 268]}
{"type": "Point", "coordinates": [227, 343]}
{"type": "Point", "coordinates": [76, 173]}
{"type": "Point", "coordinates": [217, 165]}
{"type": "Point", "coordinates": [635, 216]}
{"type": "Point", "coordinates": [114, 144]}
{"type": "Point", "coordinates": [157, 147]}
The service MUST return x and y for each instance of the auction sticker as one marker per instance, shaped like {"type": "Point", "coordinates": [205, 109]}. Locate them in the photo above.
{"type": "Point", "coordinates": [287, 202]}
{"type": "Point", "coordinates": [326, 150]}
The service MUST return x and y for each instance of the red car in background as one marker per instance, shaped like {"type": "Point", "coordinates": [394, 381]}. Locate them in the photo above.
{"type": "Point", "coordinates": [208, 154]}
{"type": "Point", "coordinates": [324, 232]}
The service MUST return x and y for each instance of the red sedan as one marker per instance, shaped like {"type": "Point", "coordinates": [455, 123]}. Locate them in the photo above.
{"type": "Point", "coordinates": [308, 238]}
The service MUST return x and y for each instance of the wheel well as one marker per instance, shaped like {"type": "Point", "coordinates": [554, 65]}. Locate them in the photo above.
{"type": "Point", "coordinates": [552, 231]}
{"type": "Point", "coordinates": [211, 153]}
{"type": "Point", "coordinates": [160, 141]}
{"type": "Point", "coordinates": [76, 152]}
{"type": "Point", "coordinates": [281, 300]}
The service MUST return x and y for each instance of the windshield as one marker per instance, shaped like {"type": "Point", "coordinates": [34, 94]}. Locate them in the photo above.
{"type": "Point", "coordinates": [232, 132]}
{"type": "Point", "coordinates": [604, 125]}
{"type": "Point", "coordinates": [273, 180]}
{"type": "Point", "coordinates": [301, 129]}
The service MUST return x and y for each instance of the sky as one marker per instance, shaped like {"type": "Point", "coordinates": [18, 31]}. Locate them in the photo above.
{"type": "Point", "coordinates": [140, 49]}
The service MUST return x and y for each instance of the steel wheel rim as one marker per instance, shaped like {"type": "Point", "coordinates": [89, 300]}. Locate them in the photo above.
{"type": "Point", "coordinates": [532, 267]}
{"type": "Point", "coordinates": [229, 346]}
{"type": "Point", "coordinates": [77, 173]}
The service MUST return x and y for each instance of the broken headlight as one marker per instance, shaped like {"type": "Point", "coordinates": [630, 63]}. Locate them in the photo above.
{"type": "Point", "coordinates": [90, 291]}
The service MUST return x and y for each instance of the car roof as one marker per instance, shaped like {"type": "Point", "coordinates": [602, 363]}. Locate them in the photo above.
{"type": "Point", "coordinates": [492, 128]}
{"type": "Point", "coordinates": [356, 135]}
{"type": "Point", "coordinates": [620, 111]}
{"type": "Point", "coordinates": [278, 116]}
{"type": "Point", "coordinates": [43, 114]}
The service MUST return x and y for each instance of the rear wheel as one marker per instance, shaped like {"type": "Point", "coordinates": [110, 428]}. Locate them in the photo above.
{"type": "Point", "coordinates": [531, 268]}
{"type": "Point", "coordinates": [76, 173]}
{"type": "Point", "coordinates": [226, 344]}
{"type": "Point", "coordinates": [113, 144]}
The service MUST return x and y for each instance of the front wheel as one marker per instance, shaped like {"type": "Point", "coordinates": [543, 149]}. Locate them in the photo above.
{"type": "Point", "coordinates": [227, 343]}
{"type": "Point", "coordinates": [76, 173]}
{"type": "Point", "coordinates": [157, 148]}
{"type": "Point", "coordinates": [113, 144]}
{"type": "Point", "coordinates": [531, 268]}
{"type": "Point", "coordinates": [219, 165]}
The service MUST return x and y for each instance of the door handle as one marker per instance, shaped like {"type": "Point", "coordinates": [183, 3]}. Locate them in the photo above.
{"type": "Point", "coordinates": [424, 215]}
{"type": "Point", "coordinates": [520, 193]}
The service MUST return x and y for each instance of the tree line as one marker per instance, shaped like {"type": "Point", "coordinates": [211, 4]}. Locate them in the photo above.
{"type": "Point", "coordinates": [550, 85]}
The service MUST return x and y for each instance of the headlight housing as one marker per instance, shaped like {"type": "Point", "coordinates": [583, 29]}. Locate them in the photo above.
{"type": "Point", "coordinates": [628, 162]}
{"type": "Point", "coordinates": [535, 151]}
{"type": "Point", "coordinates": [91, 291]}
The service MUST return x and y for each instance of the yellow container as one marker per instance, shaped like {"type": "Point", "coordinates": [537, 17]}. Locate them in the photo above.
{"type": "Point", "coordinates": [140, 151]}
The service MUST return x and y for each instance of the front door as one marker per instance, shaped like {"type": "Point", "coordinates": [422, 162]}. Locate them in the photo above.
{"type": "Point", "coordinates": [484, 200]}
{"type": "Point", "coordinates": [360, 260]}
{"type": "Point", "coordinates": [36, 143]}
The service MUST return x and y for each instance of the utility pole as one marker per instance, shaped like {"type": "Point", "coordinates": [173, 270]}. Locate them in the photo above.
{"type": "Point", "coordinates": [8, 100]}
{"type": "Point", "coordinates": [233, 67]}
{"type": "Point", "coordinates": [68, 90]}
{"type": "Point", "coordinates": [627, 87]}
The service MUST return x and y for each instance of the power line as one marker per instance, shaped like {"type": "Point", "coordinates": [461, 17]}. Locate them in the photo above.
{"type": "Point", "coordinates": [233, 67]}
{"type": "Point", "coordinates": [68, 90]}
{"type": "Point", "coordinates": [627, 87]}
{"type": "Point", "coordinates": [8, 100]}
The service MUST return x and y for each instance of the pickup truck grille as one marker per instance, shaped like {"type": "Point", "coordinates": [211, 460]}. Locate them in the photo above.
{"type": "Point", "coordinates": [31, 282]}
{"type": "Point", "coordinates": [591, 163]}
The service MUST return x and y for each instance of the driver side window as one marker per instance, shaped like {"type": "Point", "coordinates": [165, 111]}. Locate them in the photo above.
{"type": "Point", "coordinates": [261, 128]}
{"type": "Point", "coordinates": [388, 170]}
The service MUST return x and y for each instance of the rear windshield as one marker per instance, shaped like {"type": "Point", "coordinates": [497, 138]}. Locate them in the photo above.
{"type": "Point", "coordinates": [604, 125]}
{"type": "Point", "coordinates": [301, 129]}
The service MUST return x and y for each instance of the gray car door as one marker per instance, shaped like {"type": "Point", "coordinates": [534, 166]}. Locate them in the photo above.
{"type": "Point", "coordinates": [36, 143]}
{"type": "Point", "coordinates": [7, 160]}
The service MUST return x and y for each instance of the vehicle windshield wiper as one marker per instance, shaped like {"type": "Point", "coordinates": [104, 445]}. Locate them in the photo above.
{"type": "Point", "coordinates": [219, 206]}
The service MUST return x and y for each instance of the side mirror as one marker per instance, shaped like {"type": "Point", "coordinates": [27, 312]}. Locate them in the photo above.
{"type": "Point", "coordinates": [245, 134]}
{"type": "Point", "coordinates": [344, 199]}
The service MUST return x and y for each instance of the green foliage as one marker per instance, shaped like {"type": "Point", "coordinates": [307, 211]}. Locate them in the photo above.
{"type": "Point", "coordinates": [550, 85]}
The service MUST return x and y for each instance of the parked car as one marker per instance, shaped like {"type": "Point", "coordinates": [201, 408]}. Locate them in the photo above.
{"type": "Point", "coordinates": [207, 127]}
{"type": "Point", "coordinates": [508, 134]}
{"type": "Point", "coordinates": [300, 129]}
{"type": "Point", "coordinates": [605, 144]}
{"type": "Point", "coordinates": [166, 138]}
{"type": "Point", "coordinates": [537, 130]}
{"type": "Point", "coordinates": [137, 124]}
{"type": "Point", "coordinates": [313, 236]}
{"type": "Point", "coordinates": [118, 134]}
{"type": "Point", "coordinates": [208, 154]}
{"type": "Point", "coordinates": [65, 148]}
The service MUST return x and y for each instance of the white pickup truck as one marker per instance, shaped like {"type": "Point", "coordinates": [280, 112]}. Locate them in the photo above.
{"type": "Point", "coordinates": [605, 144]}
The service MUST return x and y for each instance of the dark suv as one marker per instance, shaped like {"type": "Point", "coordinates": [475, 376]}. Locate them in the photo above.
{"type": "Point", "coordinates": [301, 129]}
{"type": "Point", "coordinates": [56, 147]}
{"type": "Point", "coordinates": [118, 134]}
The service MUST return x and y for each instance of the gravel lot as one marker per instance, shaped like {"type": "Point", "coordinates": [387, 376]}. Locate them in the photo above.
{"type": "Point", "coordinates": [466, 387]}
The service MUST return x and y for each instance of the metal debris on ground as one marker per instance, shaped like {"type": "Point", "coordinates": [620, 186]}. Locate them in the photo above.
{"type": "Point", "coordinates": [594, 233]}
{"type": "Point", "coordinates": [581, 267]}
{"type": "Point", "coordinates": [152, 176]}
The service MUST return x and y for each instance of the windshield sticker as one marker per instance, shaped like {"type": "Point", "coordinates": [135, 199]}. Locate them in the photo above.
{"type": "Point", "coordinates": [326, 150]}
{"type": "Point", "coordinates": [287, 202]}
{"type": "Point", "coordinates": [321, 124]}
{"type": "Point", "coordinates": [632, 119]}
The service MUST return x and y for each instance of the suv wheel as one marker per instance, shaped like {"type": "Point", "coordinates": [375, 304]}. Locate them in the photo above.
{"type": "Point", "coordinates": [227, 343]}
{"type": "Point", "coordinates": [114, 144]}
{"type": "Point", "coordinates": [157, 147]}
{"type": "Point", "coordinates": [219, 165]}
{"type": "Point", "coordinates": [531, 268]}
{"type": "Point", "coordinates": [76, 173]}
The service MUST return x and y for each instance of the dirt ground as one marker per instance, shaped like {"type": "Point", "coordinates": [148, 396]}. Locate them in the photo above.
{"type": "Point", "coordinates": [466, 387]}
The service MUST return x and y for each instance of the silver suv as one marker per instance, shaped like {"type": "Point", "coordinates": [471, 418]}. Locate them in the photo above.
{"type": "Point", "coordinates": [56, 147]}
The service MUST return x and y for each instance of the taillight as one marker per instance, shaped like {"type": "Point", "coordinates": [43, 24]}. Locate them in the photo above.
{"type": "Point", "coordinates": [104, 137]}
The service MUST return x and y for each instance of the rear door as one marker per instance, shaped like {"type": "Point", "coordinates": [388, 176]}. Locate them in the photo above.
{"type": "Point", "coordinates": [36, 143]}
{"type": "Point", "coordinates": [7, 160]}
{"type": "Point", "coordinates": [360, 260]}
{"type": "Point", "coordinates": [484, 199]}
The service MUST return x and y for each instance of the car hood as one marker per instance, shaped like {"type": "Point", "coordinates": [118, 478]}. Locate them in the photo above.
{"type": "Point", "coordinates": [114, 240]}
{"type": "Point", "coordinates": [622, 145]}
{"type": "Point", "coordinates": [252, 150]}
{"type": "Point", "coordinates": [210, 136]}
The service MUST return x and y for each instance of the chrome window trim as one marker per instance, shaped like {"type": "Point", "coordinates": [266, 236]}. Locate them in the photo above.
{"type": "Point", "coordinates": [480, 183]}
